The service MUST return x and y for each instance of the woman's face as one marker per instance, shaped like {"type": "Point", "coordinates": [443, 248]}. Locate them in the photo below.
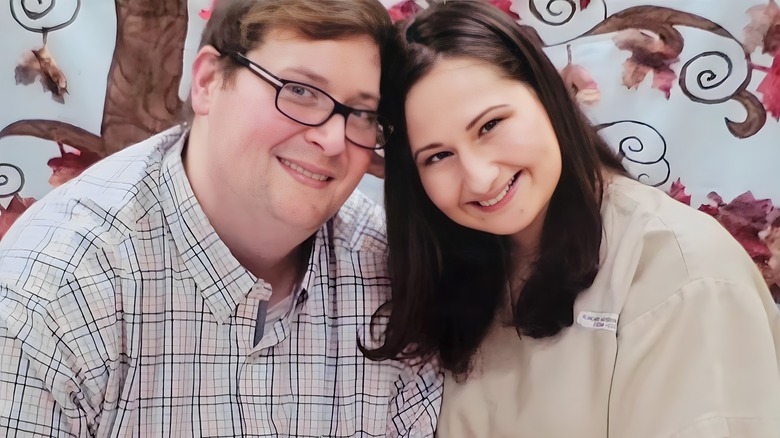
{"type": "Point", "coordinates": [486, 152]}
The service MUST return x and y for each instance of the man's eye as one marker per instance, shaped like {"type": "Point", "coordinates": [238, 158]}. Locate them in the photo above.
{"type": "Point", "coordinates": [369, 116]}
{"type": "Point", "coordinates": [300, 90]}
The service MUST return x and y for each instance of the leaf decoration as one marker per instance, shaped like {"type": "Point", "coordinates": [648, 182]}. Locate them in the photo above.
{"type": "Point", "coordinates": [677, 191]}
{"type": "Point", "coordinates": [69, 164]}
{"type": "Point", "coordinates": [16, 207]}
{"type": "Point", "coordinates": [744, 217]}
{"type": "Point", "coordinates": [770, 88]}
{"type": "Point", "coordinates": [771, 271]}
{"type": "Point", "coordinates": [763, 30]}
{"type": "Point", "coordinates": [28, 69]}
{"type": "Point", "coordinates": [754, 223]}
{"type": "Point", "coordinates": [39, 64]}
{"type": "Point", "coordinates": [649, 53]}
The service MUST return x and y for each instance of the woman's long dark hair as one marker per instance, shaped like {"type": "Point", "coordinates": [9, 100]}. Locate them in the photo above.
{"type": "Point", "coordinates": [448, 281]}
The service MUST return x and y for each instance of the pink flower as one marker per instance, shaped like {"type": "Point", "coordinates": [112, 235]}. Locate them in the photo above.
{"type": "Point", "coordinates": [206, 13]}
{"type": "Point", "coordinates": [505, 5]}
{"type": "Point", "coordinates": [403, 10]}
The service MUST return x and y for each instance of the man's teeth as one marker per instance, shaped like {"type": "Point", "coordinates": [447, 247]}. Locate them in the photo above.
{"type": "Point", "coordinates": [303, 171]}
{"type": "Point", "coordinates": [500, 196]}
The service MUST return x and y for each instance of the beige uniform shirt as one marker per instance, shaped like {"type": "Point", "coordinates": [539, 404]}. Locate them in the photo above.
{"type": "Point", "coordinates": [677, 337]}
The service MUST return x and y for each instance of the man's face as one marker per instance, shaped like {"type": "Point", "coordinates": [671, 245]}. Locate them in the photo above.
{"type": "Point", "coordinates": [281, 170]}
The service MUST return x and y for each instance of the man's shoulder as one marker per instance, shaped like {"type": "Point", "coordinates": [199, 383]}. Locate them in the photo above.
{"type": "Point", "coordinates": [131, 173]}
{"type": "Point", "coordinates": [90, 213]}
{"type": "Point", "coordinates": [108, 191]}
{"type": "Point", "coordinates": [360, 225]}
{"type": "Point", "coordinates": [44, 253]}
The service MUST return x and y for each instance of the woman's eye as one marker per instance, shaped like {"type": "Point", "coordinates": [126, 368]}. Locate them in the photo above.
{"type": "Point", "coordinates": [436, 157]}
{"type": "Point", "coordinates": [487, 127]}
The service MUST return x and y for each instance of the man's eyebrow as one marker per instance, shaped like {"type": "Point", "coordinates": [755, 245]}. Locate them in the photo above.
{"type": "Point", "coordinates": [363, 95]}
{"type": "Point", "coordinates": [310, 75]}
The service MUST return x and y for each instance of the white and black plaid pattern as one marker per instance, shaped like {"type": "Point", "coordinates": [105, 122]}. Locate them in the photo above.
{"type": "Point", "coordinates": [123, 314]}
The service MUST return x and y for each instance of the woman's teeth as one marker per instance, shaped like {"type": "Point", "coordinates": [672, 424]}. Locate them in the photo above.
{"type": "Point", "coordinates": [500, 196]}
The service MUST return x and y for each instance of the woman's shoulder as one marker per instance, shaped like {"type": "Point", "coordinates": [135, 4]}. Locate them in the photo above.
{"type": "Point", "coordinates": [654, 246]}
{"type": "Point", "coordinates": [665, 227]}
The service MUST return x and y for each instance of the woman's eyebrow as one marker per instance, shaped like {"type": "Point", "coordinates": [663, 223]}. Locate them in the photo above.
{"type": "Point", "coordinates": [479, 116]}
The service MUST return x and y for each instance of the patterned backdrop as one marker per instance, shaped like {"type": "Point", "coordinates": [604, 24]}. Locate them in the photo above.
{"type": "Point", "coordinates": [688, 92]}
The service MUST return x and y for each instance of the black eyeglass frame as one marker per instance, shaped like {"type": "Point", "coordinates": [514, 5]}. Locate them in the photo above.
{"type": "Point", "coordinates": [338, 108]}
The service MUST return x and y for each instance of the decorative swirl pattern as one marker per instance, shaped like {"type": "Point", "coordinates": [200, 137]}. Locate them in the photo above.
{"type": "Point", "coordinates": [558, 12]}
{"type": "Point", "coordinates": [755, 118]}
{"type": "Point", "coordinates": [43, 16]}
{"type": "Point", "coordinates": [642, 148]}
{"type": "Point", "coordinates": [706, 84]}
{"type": "Point", "coordinates": [699, 87]}
{"type": "Point", "coordinates": [11, 180]}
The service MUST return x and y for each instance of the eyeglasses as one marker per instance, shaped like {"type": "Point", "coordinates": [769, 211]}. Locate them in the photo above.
{"type": "Point", "coordinates": [310, 106]}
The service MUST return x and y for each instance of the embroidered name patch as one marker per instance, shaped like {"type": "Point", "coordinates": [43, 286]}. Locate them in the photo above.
{"type": "Point", "coordinates": [598, 321]}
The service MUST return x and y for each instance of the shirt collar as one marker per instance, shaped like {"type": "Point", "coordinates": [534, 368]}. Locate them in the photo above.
{"type": "Point", "coordinates": [218, 275]}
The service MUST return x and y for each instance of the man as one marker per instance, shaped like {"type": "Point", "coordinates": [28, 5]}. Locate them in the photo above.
{"type": "Point", "coordinates": [215, 280]}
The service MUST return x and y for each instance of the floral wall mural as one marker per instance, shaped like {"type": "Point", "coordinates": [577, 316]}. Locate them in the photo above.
{"type": "Point", "coordinates": [89, 79]}
{"type": "Point", "coordinates": [688, 92]}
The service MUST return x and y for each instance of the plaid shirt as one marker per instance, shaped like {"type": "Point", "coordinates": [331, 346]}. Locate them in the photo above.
{"type": "Point", "coordinates": [122, 313]}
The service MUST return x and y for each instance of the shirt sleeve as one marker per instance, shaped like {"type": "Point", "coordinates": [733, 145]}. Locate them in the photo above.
{"type": "Point", "coordinates": [53, 365]}
{"type": "Point", "coordinates": [702, 364]}
{"type": "Point", "coordinates": [416, 402]}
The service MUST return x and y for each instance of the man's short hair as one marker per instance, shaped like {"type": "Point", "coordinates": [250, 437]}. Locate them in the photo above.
{"type": "Point", "coordinates": [242, 25]}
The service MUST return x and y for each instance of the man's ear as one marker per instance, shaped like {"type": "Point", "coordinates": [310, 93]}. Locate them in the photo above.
{"type": "Point", "coordinates": [377, 165]}
{"type": "Point", "coordinates": [206, 79]}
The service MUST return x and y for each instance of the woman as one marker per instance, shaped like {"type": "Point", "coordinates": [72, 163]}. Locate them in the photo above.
{"type": "Point", "coordinates": [561, 297]}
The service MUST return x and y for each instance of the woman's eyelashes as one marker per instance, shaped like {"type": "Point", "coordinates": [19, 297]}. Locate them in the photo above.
{"type": "Point", "coordinates": [436, 158]}
{"type": "Point", "coordinates": [485, 129]}
{"type": "Point", "coordinates": [489, 126]}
